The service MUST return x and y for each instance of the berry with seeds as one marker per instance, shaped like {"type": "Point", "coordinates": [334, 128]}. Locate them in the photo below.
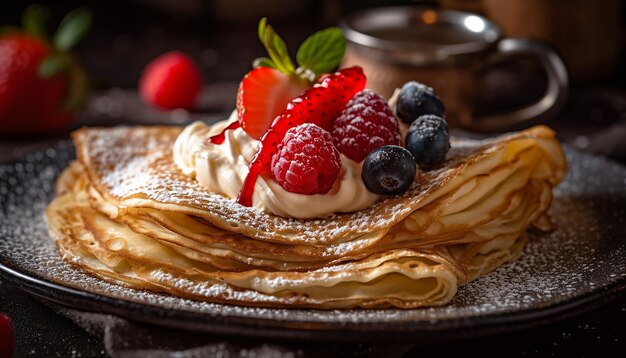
{"type": "Point", "coordinates": [364, 125]}
{"type": "Point", "coordinates": [319, 105]}
{"type": "Point", "coordinates": [417, 99]}
{"type": "Point", "coordinates": [171, 81]}
{"type": "Point", "coordinates": [263, 93]}
{"type": "Point", "coordinates": [266, 90]}
{"type": "Point", "coordinates": [428, 140]}
{"type": "Point", "coordinates": [306, 161]}
{"type": "Point", "coordinates": [389, 170]}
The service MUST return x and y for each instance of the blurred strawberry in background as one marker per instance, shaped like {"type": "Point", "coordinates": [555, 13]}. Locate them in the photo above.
{"type": "Point", "coordinates": [172, 80]}
{"type": "Point", "coordinates": [6, 336]}
{"type": "Point", "coordinates": [41, 82]}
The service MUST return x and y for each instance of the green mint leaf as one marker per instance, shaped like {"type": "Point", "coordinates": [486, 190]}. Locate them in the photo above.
{"type": "Point", "coordinates": [72, 29]}
{"type": "Point", "coordinates": [53, 65]}
{"type": "Point", "coordinates": [276, 48]}
{"type": "Point", "coordinates": [322, 52]}
{"type": "Point", "coordinates": [34, 20]}
{"type": "Point", "coordinates": [263, 62]}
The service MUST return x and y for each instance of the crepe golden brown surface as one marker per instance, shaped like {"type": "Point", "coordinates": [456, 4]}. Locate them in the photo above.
{"type": "Point", "coordinates": [126, 214]}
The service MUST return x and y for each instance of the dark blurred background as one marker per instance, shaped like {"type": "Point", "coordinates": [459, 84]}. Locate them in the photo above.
{"type": "Point", "coordinates": [221, 36]}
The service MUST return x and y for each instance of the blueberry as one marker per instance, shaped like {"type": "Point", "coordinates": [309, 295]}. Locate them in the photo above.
{"type": "Point", "coordinates": [417, 99]}
{"type": "Point", "coordinates": [388, 170]}
{"type": "Point", "coordinates": [428, 140]}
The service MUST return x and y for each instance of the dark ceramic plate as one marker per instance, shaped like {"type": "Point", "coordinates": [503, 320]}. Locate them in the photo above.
{"type": "Point", "coordinates": [576, 267]}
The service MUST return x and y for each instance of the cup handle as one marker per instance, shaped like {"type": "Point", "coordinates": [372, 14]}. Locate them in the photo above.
{"type": "Point", "coordinates": [553, 99]}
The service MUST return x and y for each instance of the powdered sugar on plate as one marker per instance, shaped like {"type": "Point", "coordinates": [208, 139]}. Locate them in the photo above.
{"type": "Point", "coordinates": [585, 253]}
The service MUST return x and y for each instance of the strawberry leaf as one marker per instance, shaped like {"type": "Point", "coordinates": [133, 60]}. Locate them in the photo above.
{"type": "Point", "coordinates": [54, 64]}
{"type": "Point", "coordinates": [34, 20]}
{"type": "Point", "coordinates": [263, 62]}
{"type": "Point", "coordinates": [72, 29]}
{"type": "Point", "coordinates": [322, 52]}
{"type": "Point", "coordinates": [6, 30]}
{"type": "Point", "coordinates": [275, 47]}
{"type": "Point", "coordinates": [78, 87]}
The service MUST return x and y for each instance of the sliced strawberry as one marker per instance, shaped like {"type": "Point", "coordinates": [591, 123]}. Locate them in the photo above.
{"type": "Point", "coordinates": [263, 93]}
{"type": "Point", "coordinates": [319, 105]}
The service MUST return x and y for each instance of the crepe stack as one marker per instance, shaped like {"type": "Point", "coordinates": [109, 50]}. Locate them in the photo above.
{"type": "Point", "coordinates": [126, 214]}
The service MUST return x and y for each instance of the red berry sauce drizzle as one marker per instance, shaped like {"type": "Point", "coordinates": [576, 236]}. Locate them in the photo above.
{"type": "Point", "coordinates": [320, 105]}
{"type": "Point", "coordinates": [219, 138]}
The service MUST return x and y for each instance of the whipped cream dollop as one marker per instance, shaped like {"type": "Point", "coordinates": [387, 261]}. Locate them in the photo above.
{"type": "Point", "coordinates": [222, 168]}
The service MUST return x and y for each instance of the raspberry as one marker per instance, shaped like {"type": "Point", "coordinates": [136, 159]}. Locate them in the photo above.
{"type": "Point", "coordinates": [306, 161]}
{"type": "Point", "coordinates": [172, 80]}
{"type": "Point", "coordinates": [364, 125]}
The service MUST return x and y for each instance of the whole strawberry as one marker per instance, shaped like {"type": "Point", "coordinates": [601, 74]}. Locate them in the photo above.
{"type": "Point", "coordinates": [41, 83]}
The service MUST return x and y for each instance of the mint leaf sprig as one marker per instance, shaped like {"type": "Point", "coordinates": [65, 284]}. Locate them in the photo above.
{"type": "Point", "coordinates": [276, 48]}
{"type": "Point", "coordinates": [318, 54]}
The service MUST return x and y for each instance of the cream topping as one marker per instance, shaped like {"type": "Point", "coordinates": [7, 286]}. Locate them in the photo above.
{"type": "Point", "coordinates": [221, 168]}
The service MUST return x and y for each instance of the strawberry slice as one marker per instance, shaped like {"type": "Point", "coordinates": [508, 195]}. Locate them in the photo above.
{"type": "Point", "coordinates": [263, 93]}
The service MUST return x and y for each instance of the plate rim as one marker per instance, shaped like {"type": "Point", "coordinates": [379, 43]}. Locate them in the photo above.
{"type": "Point", "coordinates": [420, 329]}
{"type": "Point", "coordinates": [211, 323]}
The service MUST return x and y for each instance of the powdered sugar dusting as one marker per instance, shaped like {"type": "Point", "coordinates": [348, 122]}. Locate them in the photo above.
{"type": "Point", "coordinates": [141, 167]}
{"type": "Point", "coordinates": [584, 254]}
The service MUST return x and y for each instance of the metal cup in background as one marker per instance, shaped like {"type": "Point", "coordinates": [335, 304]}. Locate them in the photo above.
{"type": "Point", "coordinates": [446, 50]}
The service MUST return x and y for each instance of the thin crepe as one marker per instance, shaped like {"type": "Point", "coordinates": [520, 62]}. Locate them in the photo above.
{"type": "Point", "coordinates": [125, 213]}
